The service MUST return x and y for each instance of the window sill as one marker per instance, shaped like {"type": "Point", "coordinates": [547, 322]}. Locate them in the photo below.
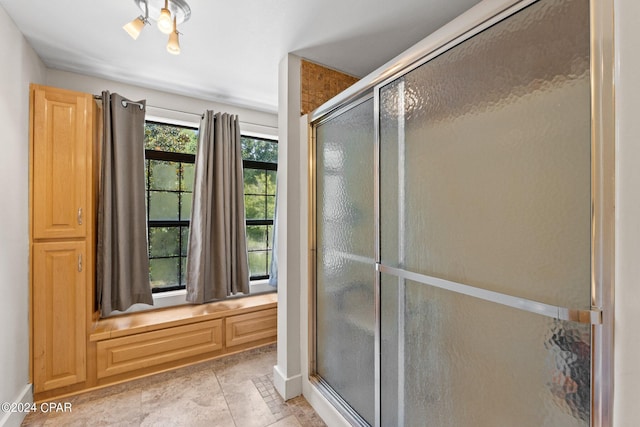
{"type": "Point", "coordinates": [178, 298]}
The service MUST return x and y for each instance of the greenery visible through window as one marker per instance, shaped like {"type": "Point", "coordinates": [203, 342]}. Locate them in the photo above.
{"type": "Point", "coordinates": [170, 157]}
{"type": "Point", "coordinates": [260, 157]}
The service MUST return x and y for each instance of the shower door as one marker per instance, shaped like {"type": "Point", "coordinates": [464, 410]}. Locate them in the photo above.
{"type": "Point", "coordinates": [461, 236]}
{"type": "Point", "coordinates": [345, 268]}
{"type": "Point", "coordinates": [485, 212]}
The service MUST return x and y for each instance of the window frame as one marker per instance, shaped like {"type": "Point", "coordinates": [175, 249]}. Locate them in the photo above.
{"type": "Point", "coordinates": [262, 166]}
{"type": "Point", "coordinates": [176, 157]}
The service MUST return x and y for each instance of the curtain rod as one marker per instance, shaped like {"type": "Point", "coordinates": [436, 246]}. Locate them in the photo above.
{"type": "Point", "coordinates": [186, 112]}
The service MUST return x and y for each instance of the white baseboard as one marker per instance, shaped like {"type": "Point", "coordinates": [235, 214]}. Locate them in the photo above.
{"type": "Point", "coordinates": [287, 387]}
{"type": "Point", "coordinates": [14, 419]}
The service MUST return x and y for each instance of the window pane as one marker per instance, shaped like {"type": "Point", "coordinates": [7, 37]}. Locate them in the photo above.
{"type": "Point", "coordinates": [185, 207]}
{"type": "Point", "coordinates": [163, 272]}
{"type": "Point", "coordinates": [147, 166]}
{"type": "Point", "coordinates": [183, 271]}
{"type": "Point", "coordinates": [171, 138]}
{"type": "Point", "coordinates": [256, 237]}
{"type": "Point", "coordinates": [258, 263]}
{"type": "Point", "coordinates": [163, 241]}
{"type": "Point", "coordinates": [163, 205]}
{"type": "Point", "coordinates": [254, 181]}
{"type": "Point", "coordinates": [271, 182]}
{"type": "Point", "coordinates": [164, 175]}
{"type": "Point", "coordinates": [255, 207]}
{"type": "Point", "coordinates": [185, 240]}
{"type": "Point", "coordinates": [269, 236]}
{"type": "Point", "coordinates": [261, 150]}
{"type": "Point", "coordinates": [188, 171]}
{"type": "Point", "coordinates": [271, 206]}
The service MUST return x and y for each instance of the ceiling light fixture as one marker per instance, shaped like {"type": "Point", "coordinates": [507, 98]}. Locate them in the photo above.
{"type": "Point", "coordinates": [167, 13]}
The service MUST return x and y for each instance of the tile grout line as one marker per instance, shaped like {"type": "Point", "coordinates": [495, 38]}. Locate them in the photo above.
{"type": "Point", "coordinates": [224, 395]}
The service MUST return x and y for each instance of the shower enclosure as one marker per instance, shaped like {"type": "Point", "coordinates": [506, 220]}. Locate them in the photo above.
{"type": "Point", "coordinates": [461, 239]}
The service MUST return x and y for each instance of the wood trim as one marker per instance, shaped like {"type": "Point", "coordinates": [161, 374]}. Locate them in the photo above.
{"type": "Point", "coordinates": [32, 88]}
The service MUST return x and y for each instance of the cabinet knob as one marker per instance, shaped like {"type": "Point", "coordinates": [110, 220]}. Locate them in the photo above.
{"type": "Point", "coordinates": [79, 263]}
{"type": "Point", "coordinates": [79, 216]}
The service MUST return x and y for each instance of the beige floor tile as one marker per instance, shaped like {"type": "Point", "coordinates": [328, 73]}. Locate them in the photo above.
{"type": "Point", "coordinates": [247, 369]}
{"type": "Point", "coordinates": [247, 406]}
{"type": "Point", "coordinates": [200, 387]}
{"type": "Point", "coordinates": [186, 412]}
{"type": "Point", "coordinates": [118, 409]}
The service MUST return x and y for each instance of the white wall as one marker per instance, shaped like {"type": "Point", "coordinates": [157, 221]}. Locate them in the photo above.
{"type": "Point", "coordinates": [291, 374]}
{"type": "Point", "coordinates": [253, 121]}
{"type": "Point", "coordinates": [627, 298]}
{"type": "Point", "coordinates": [286, 374]}
{"type": "Point", "coordinates": [20, 66]}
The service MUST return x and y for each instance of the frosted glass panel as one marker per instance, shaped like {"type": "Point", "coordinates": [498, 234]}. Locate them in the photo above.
{"type": "Point", "coordinates": [453, 360]}
{"type": "Point", "coordinates": [485, 159]}
{"type": "Point", "coordinates": [345, 265]}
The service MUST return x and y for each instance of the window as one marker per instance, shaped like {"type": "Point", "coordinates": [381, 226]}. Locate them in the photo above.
{"type": "Point", "coordinates": [170, 157]}
{"type": "Point", "coordinates": [170, 165]}
{"type": "Point", "coordinates": [260, 162]}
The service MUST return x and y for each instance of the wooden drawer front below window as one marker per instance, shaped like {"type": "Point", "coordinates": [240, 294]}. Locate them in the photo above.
{"type": "Point", "coordinates": [118, 355]}
{"type": "Point", "coordinates": [246, 328]}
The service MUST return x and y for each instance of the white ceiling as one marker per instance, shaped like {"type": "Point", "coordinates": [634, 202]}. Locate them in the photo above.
{"type": "Point", "coordinates": [230, 50]}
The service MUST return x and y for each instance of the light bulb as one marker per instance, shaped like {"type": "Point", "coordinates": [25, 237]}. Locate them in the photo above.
{"type": "Point", "coordinates": [173, 45]}
{"type": "Point", "coordinates": [134, 27]}
{"type": "Point", "coordinates": [164, 20]}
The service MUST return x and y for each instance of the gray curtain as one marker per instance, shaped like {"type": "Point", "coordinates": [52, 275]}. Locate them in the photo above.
{"type": "Point", "coordinates": [122, 257]}
{"type": "Point", "coordinates": [217, 263]}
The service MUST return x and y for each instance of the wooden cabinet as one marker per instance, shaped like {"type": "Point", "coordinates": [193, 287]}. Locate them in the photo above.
{"type": "Point", "coordinates": [62, 243]}
{"type": "Point", "coordinates": [59, 332]}
{"type": "Point", "coordinates": [251, 327]}
{"type": "Point", "coordinates": [131, 353]}
{"type": "Point", "coordinates": [61, 142]}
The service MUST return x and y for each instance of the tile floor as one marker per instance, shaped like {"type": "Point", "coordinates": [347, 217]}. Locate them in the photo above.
{"type": "Point", "coordinates": [234, 391]}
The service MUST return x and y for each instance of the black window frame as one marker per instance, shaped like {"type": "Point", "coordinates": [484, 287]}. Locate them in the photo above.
{"type": "Point", "coordinates": [176, 157]}
{"type": "Point", "coordinates": [264, 166]}
{"type": "Point", "coordinates": [182, 158]}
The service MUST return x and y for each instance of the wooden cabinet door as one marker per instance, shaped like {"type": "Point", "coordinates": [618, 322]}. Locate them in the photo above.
{"type": "Point", "coordinates": [59, 314]}
{"type": "Point", "coordinates": [61, 145]}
